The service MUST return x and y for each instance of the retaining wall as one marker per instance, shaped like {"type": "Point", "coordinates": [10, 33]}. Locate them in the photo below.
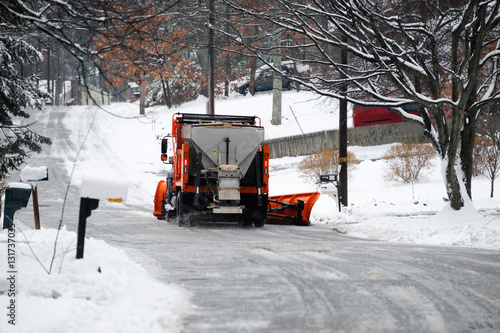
{"type": "Point", "coordinates": [305, 144]}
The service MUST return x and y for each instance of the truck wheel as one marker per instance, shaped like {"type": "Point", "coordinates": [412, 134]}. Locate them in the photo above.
{"type": "Point", "coordinates": [182, 220]}
{"type": "Point", "coordinates": [259, 223]}
{"type": "Point", "coordinates": [181, 217]}
{"type": "Point", "coordinates": [170, 196]}
{"type": "Point", "coordinates": [245, 222]}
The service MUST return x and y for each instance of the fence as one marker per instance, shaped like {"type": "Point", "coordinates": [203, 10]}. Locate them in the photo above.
{"type": "Point", "coordinates": [305, 144]}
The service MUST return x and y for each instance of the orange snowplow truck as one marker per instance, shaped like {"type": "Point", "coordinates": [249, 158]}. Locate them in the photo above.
{"type": "Point", "coordinates": [220, 171]}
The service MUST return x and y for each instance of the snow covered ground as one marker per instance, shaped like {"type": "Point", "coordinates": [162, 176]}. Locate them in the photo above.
{"type": "Point", "coordinates": [115, 142]}
{"type": "Point", "coordinates": [104, 292]}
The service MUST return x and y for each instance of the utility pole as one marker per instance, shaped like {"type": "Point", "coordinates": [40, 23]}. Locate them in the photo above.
{"type": "Point", "coordinates": [343, 129]}
{"type": "Point", "coordinates": [211, 58]}
{"type": "Point", "coordinates": [277, 79]}
{"type": "Point", "coordinates": [49, 91]}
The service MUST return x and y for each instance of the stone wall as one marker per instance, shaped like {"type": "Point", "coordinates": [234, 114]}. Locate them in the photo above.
{"type": "Point", "coordinates": [299, 145]}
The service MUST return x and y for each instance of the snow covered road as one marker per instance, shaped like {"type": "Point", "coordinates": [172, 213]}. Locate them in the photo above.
{"type": "Point", "coordinates": [275, 279]}
{"type": "Point", "coordinates": [310, 279]}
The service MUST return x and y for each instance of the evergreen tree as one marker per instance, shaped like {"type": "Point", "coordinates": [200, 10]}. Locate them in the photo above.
{"type": "Point", "coordinates": [16, 94]}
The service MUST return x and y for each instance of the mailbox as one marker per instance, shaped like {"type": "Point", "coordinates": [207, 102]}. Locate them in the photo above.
{"type": "Point", "coordinates": [328, 178]}
{"type": "Point", "coordinates": [329, 185]}
{"type": "Point", "coordinates": [16, 197]}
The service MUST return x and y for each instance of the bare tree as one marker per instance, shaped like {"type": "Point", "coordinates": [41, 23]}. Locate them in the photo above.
{"type": "Point", "coordinates": [440, 55]}
{"type": "Point", "coordinates": [489, 144]}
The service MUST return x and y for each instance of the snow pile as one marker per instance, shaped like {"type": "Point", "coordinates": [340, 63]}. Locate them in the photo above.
{"type": "Point", "coordinates": [19, 185]}
{"type": "Point", "coordinates": [104, 292]}
{"type": "Point", "coordinates": [390, 211]}
{"type": "Point", "coordinates": [449, 228]}
{"type": "Point", "coordinates": [34, 174]}
{"type": "Point", "coordinates": [105, 188]}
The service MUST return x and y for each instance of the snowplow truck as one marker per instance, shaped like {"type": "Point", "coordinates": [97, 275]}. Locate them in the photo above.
{"type": "Point", "coordinates": [219, 171]}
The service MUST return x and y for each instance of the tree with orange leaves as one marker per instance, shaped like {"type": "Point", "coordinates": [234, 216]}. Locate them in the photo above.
{"type": "Point", "coordinates": [151, 50]}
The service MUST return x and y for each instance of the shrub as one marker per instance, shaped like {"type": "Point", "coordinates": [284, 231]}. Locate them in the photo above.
{"type": "Point", "coordinates": [486, 160]}
{"type": "Point", "coordinates": [479, 156]}
{"type": "Point", "coordinates": [409, 162]}
{"type": "Point", "coordinates": [324, 162]}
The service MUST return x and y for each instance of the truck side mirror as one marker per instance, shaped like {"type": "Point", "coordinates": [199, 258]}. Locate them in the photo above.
{"type": "Point", "coordinates": [164, 145]}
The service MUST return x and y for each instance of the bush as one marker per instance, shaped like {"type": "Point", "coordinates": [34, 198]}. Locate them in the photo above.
{"type": "Point", "coordinates": [486, 160]}
{"type": "Point", "coordinates": [324, 162]}
{"type": "Point", "coordinates": [409, 162]}
{"type": "Point", "coordinates": [480, 156]}
{"type": "Point", "coordinates": [485, 155]}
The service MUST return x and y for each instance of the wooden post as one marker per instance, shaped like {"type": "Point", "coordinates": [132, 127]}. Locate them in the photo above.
{"type": "Point", "coordinates": [36, 213]}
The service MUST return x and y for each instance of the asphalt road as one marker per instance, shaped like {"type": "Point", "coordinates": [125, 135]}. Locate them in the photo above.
{"type": "Point", "coordinates": [311, 279]}
{"type": "Point", "coordinates": [288, 278]}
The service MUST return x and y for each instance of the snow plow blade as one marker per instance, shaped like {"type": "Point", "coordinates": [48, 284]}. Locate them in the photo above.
{"type": "Point", "coordinates": [160, 195]}
{"type": "Point", "coordinates": [291, 208]}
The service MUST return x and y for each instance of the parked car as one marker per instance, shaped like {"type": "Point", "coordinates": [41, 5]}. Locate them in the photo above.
{"type": "Point", "coordinates": [264, 80]}
{"type": "Point", "coordinates": [372, 115]}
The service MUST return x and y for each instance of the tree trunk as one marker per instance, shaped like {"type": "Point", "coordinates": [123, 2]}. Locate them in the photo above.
{"type": "Point", "coordinates": [58, 85]}
{"type": "Point", "coordinates": [468, 136]}
{"type": "Point", "coordinates": [492, 187]}
{"type": "Point", "coordinates": [253, 69]}
{"type": "Point", "coordinates": [166, 91]}
{"type": "Point", "coordinates": [142, 93]}
{"type": "Point", "coordinates": [453, 185]}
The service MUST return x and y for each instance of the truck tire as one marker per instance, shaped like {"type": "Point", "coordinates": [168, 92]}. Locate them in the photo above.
{"type": "Point", "coordinates": [259, 223]}
{"type": "Point", "coordinates": [170, 193]}
{"type": "Point", "coordinates": [245, 222]}
{"type": "Point", "coordinates": [182, 219]}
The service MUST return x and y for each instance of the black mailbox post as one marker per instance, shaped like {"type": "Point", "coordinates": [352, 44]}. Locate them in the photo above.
{"type": "Point", "coordinates": [15, 199]}
{"type": "Point", "coordinates": [87, 205]}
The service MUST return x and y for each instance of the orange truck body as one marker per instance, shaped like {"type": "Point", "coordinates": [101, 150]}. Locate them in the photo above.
{"type": "Point", "coordinates": [220, 170]}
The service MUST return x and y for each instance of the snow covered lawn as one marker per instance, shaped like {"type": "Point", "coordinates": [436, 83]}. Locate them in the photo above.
{"type": "Point", "coordinates": [391, 211]}
{"type": "Point", "coordinates": [104, 292]}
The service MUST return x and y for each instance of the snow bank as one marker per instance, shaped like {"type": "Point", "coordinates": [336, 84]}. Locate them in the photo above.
{"type": "Point", "coordinates": [104, 188]}
{"type": "Point", "coordinates": [390, 211]}
{"type": "Point", "coordinates": [34, 174]}
{"type": "Point", "coordinates": [19, 185]}
{"type": "Point", "coordinates": [104, 292]}
{"type": "Point", "coordinates": [477, 232]}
